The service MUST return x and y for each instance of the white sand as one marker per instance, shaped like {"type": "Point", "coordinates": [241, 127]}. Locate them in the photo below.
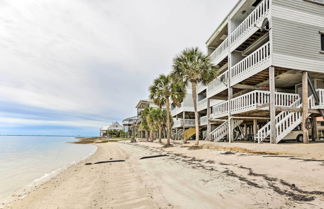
{"type": "Point", "coordinates": [179, 181]}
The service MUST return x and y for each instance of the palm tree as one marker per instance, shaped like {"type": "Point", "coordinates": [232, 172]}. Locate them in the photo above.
{"type": "Point", "coordinates": [143, 121]}
{"type": "Point", "coordinates": [193, 67]}
{"type": "Point", "coordinates": [164, 89]}
{"type": "Point", "coordinates": [159, 117]}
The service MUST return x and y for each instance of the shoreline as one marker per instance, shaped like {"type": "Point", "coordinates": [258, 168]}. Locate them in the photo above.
{"type": "Point", "coordinates": [115, 176]}
{"type": "Point", "coordinates": [40, 181]}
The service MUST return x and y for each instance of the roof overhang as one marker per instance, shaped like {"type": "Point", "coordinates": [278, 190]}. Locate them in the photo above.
{"type": "Point", "coordinates": [225, 21]}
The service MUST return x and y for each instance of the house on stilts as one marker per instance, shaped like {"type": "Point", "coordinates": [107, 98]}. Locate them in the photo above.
{"type": "Point", "coordinates": [270, 54]}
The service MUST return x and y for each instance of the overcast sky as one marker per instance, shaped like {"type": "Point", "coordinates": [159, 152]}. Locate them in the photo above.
{"type": "Point", "coordinates": [68, 67]}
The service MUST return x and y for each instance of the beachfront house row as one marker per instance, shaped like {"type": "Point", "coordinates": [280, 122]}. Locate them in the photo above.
{"type": "Point", "coordinates": [270, 54]}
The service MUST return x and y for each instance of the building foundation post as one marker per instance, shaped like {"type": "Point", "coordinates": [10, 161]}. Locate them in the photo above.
{"type": "Point", "coordinates": [305, 107]}
{"type": "Point", "coordinates": [272, 108]}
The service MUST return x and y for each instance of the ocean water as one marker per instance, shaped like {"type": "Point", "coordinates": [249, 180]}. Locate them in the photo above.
{"type": "Point", "coordinates": [26, 161]}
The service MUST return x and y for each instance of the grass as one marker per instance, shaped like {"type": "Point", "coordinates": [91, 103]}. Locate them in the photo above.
{"type": "Point", "coordinates": [96, 140]}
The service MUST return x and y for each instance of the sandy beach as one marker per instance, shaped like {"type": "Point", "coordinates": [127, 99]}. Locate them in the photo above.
{"type": "Point", "coordinates": [184, 178]}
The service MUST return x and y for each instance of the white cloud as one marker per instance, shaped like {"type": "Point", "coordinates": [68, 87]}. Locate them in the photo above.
{"type": "Point", "coordinates": [96, 57]}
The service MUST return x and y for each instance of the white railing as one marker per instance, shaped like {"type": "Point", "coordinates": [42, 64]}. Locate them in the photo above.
{"type": "Point", "coordinates": [249, 101]}
{"type": "Point", "coordinates": [264, 132]}
{"type": "Point", "coordinates": [251, 62]}
{"type": "Point", "coordinates": [220, 83]}
{"type": "Point", "coordinates": [183, 122]}
{"type": "Point", "coordinates": [202, 104]}
{"type": "Point", "coordinates": [188, 122]}
{"type": "Point", "coordinates": [285, 99]}
{"type": "Point", "coordinates": [220, 109]}
{"type": "Point", "coordinates": [200, 87]}
{"type": "Point", "coordinates": [177, 123]}
{"type": "Point", "coordinates": [287, 121]}
{"type": "Point", "coordinates": [222, 130]}
{"type": "Point", "coordinates": [220, 50]}
{"type": "Point", "coordinates": [320, 93]}
{"type": "Point", "coordinates": [253, 100]}
{"type": "Point", "coordinates": [203, 121]}
{"type": "Point", "coordinates": [257, 14]}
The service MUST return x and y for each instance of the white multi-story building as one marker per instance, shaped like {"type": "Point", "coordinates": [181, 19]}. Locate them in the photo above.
{"type": "Point", "coordinates": [267, 52]}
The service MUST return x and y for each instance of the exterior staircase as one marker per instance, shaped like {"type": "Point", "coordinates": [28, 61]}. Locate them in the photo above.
{"type": "Point", "coordinates": [285, 122]}
{"type": "Point", "coordinates": [264, 132]}
{"type": "Point", "coordinates": [221, 131]}
{"type": "Point", "coordinates": [178, 136]}
{"type": "Point", "coordinates": [189, 133]}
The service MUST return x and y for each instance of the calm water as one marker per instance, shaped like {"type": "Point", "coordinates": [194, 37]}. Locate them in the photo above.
{"type": "Point", "coordinates": [29, 160]}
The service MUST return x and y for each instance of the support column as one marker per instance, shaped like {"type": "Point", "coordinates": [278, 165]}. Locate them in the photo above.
{"type": "Point", "coordinates": [255, 128]}
{"type": "Point", "coordinates": [314, 129]}
{"type": "Point", "coordinates": [245, 131]}
{"type": "Point", "coordinates": [208, 122]}
{"type": "Point", "coordinates": [230, 120]}
{"type": "Point", "coordinates": [183, 125]}
{"type": "Point", "coordinates": [272, 87]}
{"type": "Point", "coordinates": [305, 107]}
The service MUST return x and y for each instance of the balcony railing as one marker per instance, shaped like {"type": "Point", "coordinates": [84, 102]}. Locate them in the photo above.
{"type": "Point", "coordinates": [258, 13]}
{"type": "Point", "coordinates": [220, 110]}
{"type": "Point", "coordinates": [219, 84]}
{"type": "Point", "coordinates": [177, 123]}
{"type": "Point", "coordinates": [203, 120]}
{"type": "Point", "coordinates": [320, 105]}
{"type": "Point", "coordinates": [200, 87]}
{"type": "Point", "coordinates": [251, 64]}
{"type": "Point", "coordinates": [252, 101]}
{"type": "Point", "coordinates": [202, 104]}
{"type": "Point", "coordinates": [220, 52]}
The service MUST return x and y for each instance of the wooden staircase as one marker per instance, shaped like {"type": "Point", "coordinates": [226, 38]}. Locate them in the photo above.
{"type": "Point", "coordinates": [189, 133]}
{"type": "Point", "coordinates": [285, 122]}
{"type": "Point", "coordinates": [221, 131]}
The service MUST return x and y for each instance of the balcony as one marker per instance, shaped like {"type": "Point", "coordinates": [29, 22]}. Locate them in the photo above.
{"type": "Point", "coordinates": [183, 108]}
{"type": "Point", "coordinates": [218, 85]}
{"type": "Point", "coordinates": [187, 123]}
{"type": "Point", "coordinates": [255, 100]}
{"type": "Point", "coordinates": [248, 26]}
{"type": "Point", "coordinates": [201, 87]}
{"type": "Point", "coordinates": [220, 110]}
{"type": "Point", "coordinates": [203, 121]}
{"type": "Point", "coordinates": [202, 104]}
{"type": "Point", "coordinates": [220, 52]}
{"type": "Point", "coordinates": [252, 64]}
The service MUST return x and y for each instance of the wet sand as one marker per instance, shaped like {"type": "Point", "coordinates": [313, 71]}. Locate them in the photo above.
{"type": "Point", "coordinates": [202, 178]}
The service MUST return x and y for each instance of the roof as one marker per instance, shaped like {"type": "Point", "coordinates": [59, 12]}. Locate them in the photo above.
{"type": "Point", "coordinates": [115, 126]}
{"type": "Point", "coordinates": [142, 102]}
{"type": "Point", "coordinates": [130, 120]}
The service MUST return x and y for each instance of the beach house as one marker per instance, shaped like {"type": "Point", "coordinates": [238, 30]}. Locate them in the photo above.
{"type": "Point", "coordinates": [270, 55]}
{"type": "Point", "coordinates": [183, 117]}
{"type": "Point", "coordinates": [141, 105]}
{"type": "Point", "coordinates": [114, 126]}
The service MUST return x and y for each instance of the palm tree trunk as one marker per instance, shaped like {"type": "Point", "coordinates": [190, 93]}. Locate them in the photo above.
{"type": "Point", "coordinates": [160, 134]}
{"type": "Point", "coordinates": [194, 98]}
{"type": "Point", "coordinates": [168, 121]}
{"type": "Point", "coordinates": [151, 136]}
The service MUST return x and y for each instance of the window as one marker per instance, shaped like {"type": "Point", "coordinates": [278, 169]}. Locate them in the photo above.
{"type": "Point", "coordinates": [322, 42]}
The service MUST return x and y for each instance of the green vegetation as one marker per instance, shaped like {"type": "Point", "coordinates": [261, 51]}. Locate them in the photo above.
{"type": "Point", "coordinates": [164, 89]}
{"type": "Point", "coordinates": [153, 120]}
